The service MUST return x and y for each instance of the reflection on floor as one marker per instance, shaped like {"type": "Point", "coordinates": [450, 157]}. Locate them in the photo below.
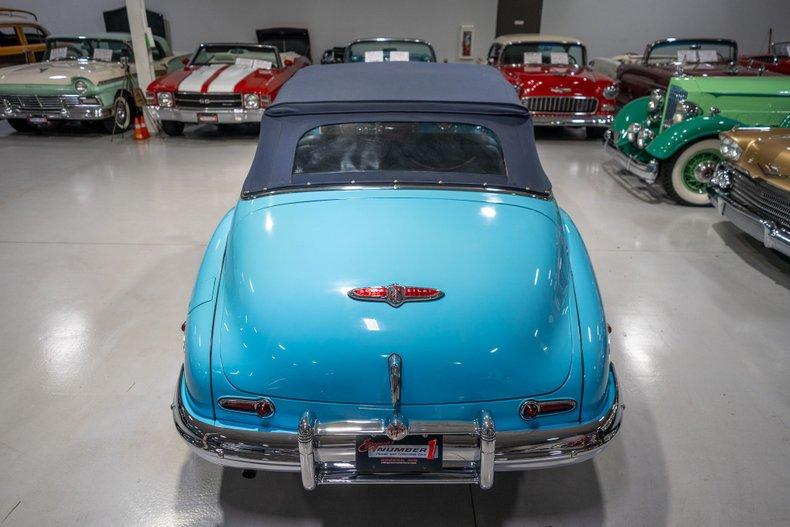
{"type": "Point", "coordinates": [100, 241]}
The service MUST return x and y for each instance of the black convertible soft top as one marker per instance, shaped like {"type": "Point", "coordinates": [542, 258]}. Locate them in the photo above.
{"type": "Point", "coordinates": [318, 96]}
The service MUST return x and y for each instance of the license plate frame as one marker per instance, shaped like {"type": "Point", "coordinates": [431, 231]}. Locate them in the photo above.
{"type": "Point", "coordinates": [38, 119]}
{"type": "Point", "coordinates": [208, 118]}
{"type": "Point", "coordinates": [377, 454]}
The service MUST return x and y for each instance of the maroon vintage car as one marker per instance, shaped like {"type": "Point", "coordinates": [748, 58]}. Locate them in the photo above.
{"type": "Point", "coordinates": [554, 82]}
{"type": "Point", "coordinates": [670, 57]}
{"type": "Point", "coordinates": [777, 59]}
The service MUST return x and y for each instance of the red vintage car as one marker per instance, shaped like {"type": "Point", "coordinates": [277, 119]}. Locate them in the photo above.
{"type": "Point", "coordinates": [777, 59]}
{"type": "Point", "coordinates": [222, 84]}
{"type": "Point", "coordinates": [554, 82]}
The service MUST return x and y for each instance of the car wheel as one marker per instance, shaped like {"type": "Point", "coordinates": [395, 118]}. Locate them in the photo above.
{"type": "Point", "coordinates": [22, 126]}
{"type": "Point", "coordinates": [685, 175]}
{"type": "Point", "coordinates": [121, 120]}
{"type": "Point", "coordinates": [594, 132]}
{"type": "Point", "coordinates": [173, 127]}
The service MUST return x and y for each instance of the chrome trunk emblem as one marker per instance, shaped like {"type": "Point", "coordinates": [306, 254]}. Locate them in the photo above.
{"type": "Point", "coordinates": [560, 89]}
{"type": "Point", "coordinates": [395, 294]}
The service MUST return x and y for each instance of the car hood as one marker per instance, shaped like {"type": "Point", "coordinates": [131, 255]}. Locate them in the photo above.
{"type": "Point", "coordinates": [765, 154]}
{"type": "Point", "coordinates": [61, 72]}
{"type": "Point", "coordinates": [216, 78]}
{"type": "Point", "coordinates": [286, 326]}
{"type": "Point", "coordinates": [555, 80]}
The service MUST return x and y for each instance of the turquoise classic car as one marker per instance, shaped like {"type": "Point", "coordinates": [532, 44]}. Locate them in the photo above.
{"type": "Point", "coordinates": [82, 78]}
{"type": "Point", "coordinates": [672, 137]}
{"type": "Point", "coordinates": [396, 297]}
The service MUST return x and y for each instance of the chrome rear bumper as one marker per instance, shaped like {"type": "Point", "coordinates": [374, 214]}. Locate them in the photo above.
{"type": "Point", "coordinates": [771, 235]}
{"type": "Point", "coordinates": [646, 171]}
{"type": "Point", "coordinates": [223, 115]}
{"type": "Point", "coordinates": [325, 453]}
{"type": "Point", "coordinates": [571, 120]}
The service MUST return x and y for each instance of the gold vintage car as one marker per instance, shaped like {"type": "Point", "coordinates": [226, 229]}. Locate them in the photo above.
{"type": "Point", "coordinates": [21, 37]}
{"type": "Point", "coordinates": [751, 187]}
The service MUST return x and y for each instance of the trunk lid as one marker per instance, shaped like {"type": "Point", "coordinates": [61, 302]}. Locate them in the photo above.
{"type": "Point", "coordinates": [287, 327]}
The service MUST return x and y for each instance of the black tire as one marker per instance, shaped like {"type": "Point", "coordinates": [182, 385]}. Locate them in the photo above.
{"type": "Point", "coordinates": [172, 127]}
{"type": "Point", "coordinates": [123, 115]}
{"type": "Point", "coordinates": [670, 174]}
{"type": "Point", "coordinates": [594, 132]}
{"type": "Point", "coordinates": [22, 126]}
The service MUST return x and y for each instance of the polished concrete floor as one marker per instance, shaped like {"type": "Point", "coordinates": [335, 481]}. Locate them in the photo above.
{"type": "Point", "coordinates": [100, 240]}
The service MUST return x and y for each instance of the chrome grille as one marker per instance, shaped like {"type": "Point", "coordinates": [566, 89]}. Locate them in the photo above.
{"type": "Point", "coordinates": [202, 101]}
{"type": "Point", "coordinates": [40, 102]}
{"type": "Point", "coordinates": [769, 202]}
{"type": "Point", "coordinates": [575, 105]}
{"type": "Point", "coordinates": [675, 96]}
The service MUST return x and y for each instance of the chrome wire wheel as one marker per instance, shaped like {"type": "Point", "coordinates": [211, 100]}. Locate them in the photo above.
{"type": "Point", "coordinates": [685, 175]}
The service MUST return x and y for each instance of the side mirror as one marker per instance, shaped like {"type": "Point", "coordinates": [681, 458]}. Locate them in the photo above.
{"type": "Point", "coordinates": [288, 62]}
{"type": "Point", "coordinates": [185, 61]}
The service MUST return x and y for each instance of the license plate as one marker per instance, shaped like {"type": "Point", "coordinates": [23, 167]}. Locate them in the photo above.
{"type": "Point", "coordinates": [207, 118]}
{"type": "Point", "coordinates": [377, 454]}
{"type": "Point", "coordinates": [36, 119]}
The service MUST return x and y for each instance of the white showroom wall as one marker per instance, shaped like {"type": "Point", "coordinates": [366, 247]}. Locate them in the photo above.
{"type": "Point", "coordinates": [330, 22]}
{"type": "Point", "coordinates": [610, 27]}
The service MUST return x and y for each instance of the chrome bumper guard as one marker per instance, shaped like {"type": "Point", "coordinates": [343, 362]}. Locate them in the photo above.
{"type": "Point", "coordinates": [224, 115]}
{"type": "Point", "coordinates": [325, 453]}
{"type": "Point", "coordinates": [571, 120]}
{"type": "Point", "coordinates": [646, 171]}
{"type": "Point", "coordinates": [771, 235]}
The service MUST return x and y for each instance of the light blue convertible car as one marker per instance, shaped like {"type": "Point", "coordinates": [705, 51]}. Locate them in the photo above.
{"type": "Point", "coordinates": [396, 297]}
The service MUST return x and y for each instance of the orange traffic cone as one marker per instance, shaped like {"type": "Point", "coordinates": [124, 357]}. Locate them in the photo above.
{"type": "Point", "coordinates": [140, 129]}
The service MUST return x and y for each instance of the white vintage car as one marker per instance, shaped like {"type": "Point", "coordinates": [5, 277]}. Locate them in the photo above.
{"type": "Point", "coordinates": [82, 78]}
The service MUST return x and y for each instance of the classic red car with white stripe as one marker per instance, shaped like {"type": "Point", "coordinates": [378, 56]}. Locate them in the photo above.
{"type": "Point", "coordinates": [553, 81]}
{"type": "Point", "coordinates": [222, 84]}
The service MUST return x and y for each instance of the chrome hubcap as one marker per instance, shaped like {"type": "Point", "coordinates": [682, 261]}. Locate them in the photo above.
{"type": "Point", "coordinates": [120, 112]}
{"type": "Point", "coordinates": [704, 171]}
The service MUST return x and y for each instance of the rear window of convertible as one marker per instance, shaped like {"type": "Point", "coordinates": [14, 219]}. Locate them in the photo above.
{"type": "Point", "coordinates": [399, 146]}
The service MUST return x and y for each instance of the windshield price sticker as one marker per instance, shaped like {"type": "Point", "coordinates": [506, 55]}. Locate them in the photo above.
{"type": "Point", "coordinates": [533, 57]}
{"type": "Point", "coordinates": [399, 56]}
{"type": "Point", "coordinates": [105, 55]}
{"type": "Point", "coordinates": [374, 56]}
{"type": "Point", "coordinates": [559, 58]}
{"type": "Point", "coordinates": [58, 53]}
{"type": "Point", "coordinates": [697, 55]}
{"type": "Point", "coordinates": [247, 63]}
{"type": "Point", "coordinates": [260, 64]}
{"type": "Point", "coordinates": [707, 55]}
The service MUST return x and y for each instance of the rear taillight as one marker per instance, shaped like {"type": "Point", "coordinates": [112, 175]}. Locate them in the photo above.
{"type": "Point", "coordinates": [263, 407]}
{"type": "Point", "coordinates": [531, 409]}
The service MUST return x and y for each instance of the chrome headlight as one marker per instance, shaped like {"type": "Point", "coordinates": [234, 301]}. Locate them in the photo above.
{"type": "Point", "coordinates": [644, 137]}
{"type": "Point", "coordinates": [632, 132]}
{"type": "Point", "coordinates": [611, 91]}
{"type": "Point", "coordinates": [252, 101]}
{"type": "Point", "coordinates": [81, 86]}
{"type": "Point", "coordinates": [685, 110]}
{"type": "Point", "coordinates": [730, 150]}
{"type": "Point", "coordinates": [165, 99]}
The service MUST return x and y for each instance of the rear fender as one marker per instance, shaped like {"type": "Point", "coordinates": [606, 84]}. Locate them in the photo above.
{"type": "Point", "coordinates": [592, 324]}
{"type": "Point", "coordinates": [200, 322]}
{"type": "Point", "coordinates": [679, 135]}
